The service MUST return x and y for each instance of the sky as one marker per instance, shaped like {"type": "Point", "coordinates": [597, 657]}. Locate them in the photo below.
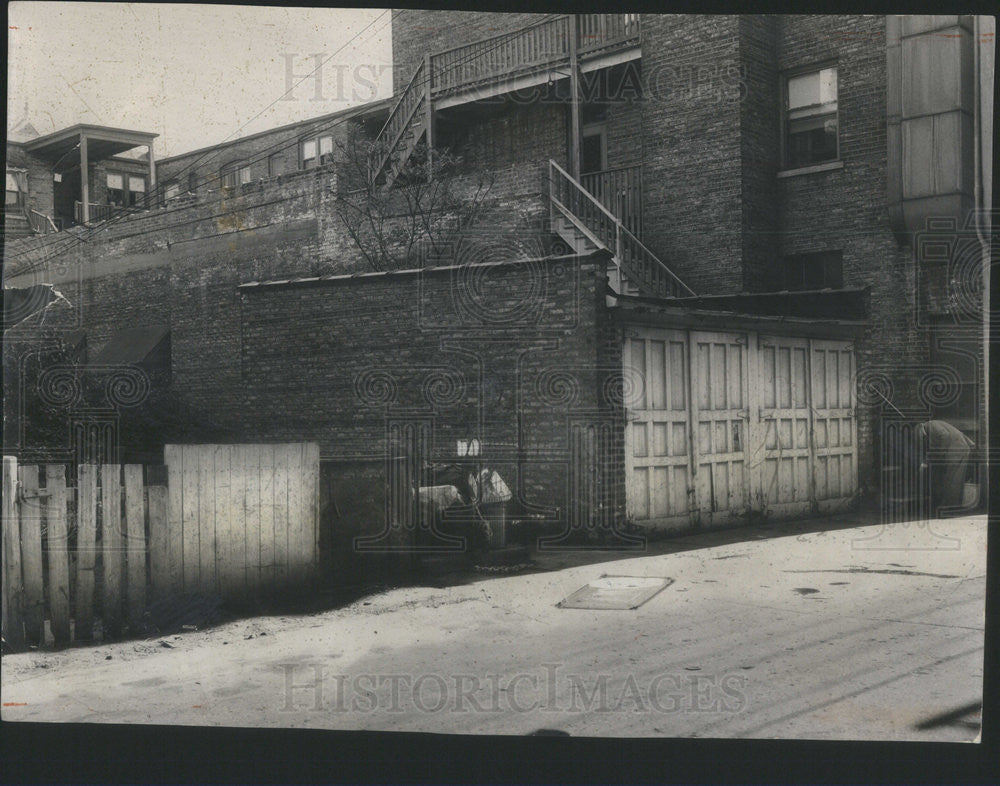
{"type": "Point", "coordinates": [194, 74]}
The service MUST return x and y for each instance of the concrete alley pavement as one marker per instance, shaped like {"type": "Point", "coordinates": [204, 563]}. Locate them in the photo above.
{"type": "Point", "coordinates": [859, 632]}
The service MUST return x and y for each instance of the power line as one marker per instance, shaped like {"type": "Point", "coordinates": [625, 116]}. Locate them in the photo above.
{"type": "Point", "coordinates": [121, 214]}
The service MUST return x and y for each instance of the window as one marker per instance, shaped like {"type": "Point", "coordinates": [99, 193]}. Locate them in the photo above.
{"type": "Point", "coordinates": [274, 164]}
{"type": "Point", "coordinates": [13, 197]}
{"type": "Point", "coordinates": [822, 270]}
{"type": "Point", "coordinates": [116, 190]}
{"type": "Point", "coordinates": [235, 173]}
{"type": "Point", "coordinates": [136, 190]}
{"type": "Point", "coordinates": [317, 151]}
{"type": "Point", "coordinates": [810, 103]}
{"type": "Point", "coordinates": [125, 190]}
{"type": "Point", "coordinates": [172, 190]}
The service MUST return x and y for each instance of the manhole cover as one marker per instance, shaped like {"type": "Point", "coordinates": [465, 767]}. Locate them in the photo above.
{"type": "Point", "coordinates": [615, 592]}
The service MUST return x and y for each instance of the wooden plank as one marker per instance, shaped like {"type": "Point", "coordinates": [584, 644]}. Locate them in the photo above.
{"type": "Point", "coordinates": [159, 540]}
{"type": "Point", "coordinates": [235, 552]}
{"type": "Point", "coordinates": [299, 534]}
{"type": "Point", "coordinates": [223, 483]}
{"type": "Point", "coordinates": [135, 545]}
{"type": "Point", "coordinates": [206, 516]}
{"type": "Point", "coordinates": [312, 490]}
{"type": "Point", "coordinates": [267, 572]}
{"type": "Point", "coordinates": [191, 543]}
{"type": "Point", "coordinates": [13, 618]}
{"type": "Point", "coordinates": [174, 547]}
{"type": "Point", "coordinates": [57, 552]}
{"type": "Point", "coordinates": [86, 554]}
{"type": "Point", "coordinates": [251, 558]}
{"type": "Point", "coordinates": [32, 574]}
{"type": "Point", "coordinates": [112, 548]}
{"type": "Point", "coordinates": [281, 472]}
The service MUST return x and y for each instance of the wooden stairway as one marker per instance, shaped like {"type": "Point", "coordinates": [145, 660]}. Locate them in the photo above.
{"type": "Point", "coordinates": [407, 125]}
{"type": "Point", "coordinates": [586, 225]}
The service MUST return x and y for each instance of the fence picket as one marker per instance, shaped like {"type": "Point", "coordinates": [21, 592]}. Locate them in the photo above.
{"type": "Point", "coordinates": [30, 517]}
{"type": "Point", "coordinates": [13, 618]}
{"type": "Point", "coordinates": [159, 541]}
{"type": "Point", "coordinates": [206, 516]}
{"type": "Point", "coordinates": [189, 520]}
{"type": "Point", "coordinates": [175, 523]}
{"type": "Point", "coordinates": [86, 553]}
{"type": "Point", "coordinates": [135, 543]}
{"type": "Point", "coordinates": [57, 552]}
{"type": "Point", "coordinates": [112, 548]}
{"type": "Point", "coordinates": [267, 531]}
{"type": "Point", "coordinates": [250, 466]}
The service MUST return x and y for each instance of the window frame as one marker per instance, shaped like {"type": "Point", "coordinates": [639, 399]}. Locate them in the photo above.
{"type": "Point", "coordinates": [126, 190]}
{"type": "Point", "coordinates": [783, 119]}
{"type": "Point", "coordinates": [238, 170]}
{"type": "Point", "coordinates": [317, 140]}
{"type": "Point", "coordinates": [825, 257]}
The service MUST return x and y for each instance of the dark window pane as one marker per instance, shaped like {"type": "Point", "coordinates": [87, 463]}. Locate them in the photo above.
{"type": "Point", "coordinates": [812, 141]}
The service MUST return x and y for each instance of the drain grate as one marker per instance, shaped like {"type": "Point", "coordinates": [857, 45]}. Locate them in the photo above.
{"type": "Point", "coordinates": [615, 592]}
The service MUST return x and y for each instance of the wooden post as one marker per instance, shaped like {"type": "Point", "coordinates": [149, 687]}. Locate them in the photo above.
{"type": "Point", "coordinates": [57, 552]}
{"type": "Point", "coordinates": [429, 116]}
{"type": "Point", "coordinates": [135, 545]}
{"type": "Point", "coordinates": [13, 620]}
{"type": "Point", "coordinates": [576, 129]}
{"type": "Point", "coordinates": [31, 556]}
{"type": "Point", "coordinates": [151, 195]}
{"type": "Point", "coordinates": [112, 548]}
{"type": "Point", "coordinates": [84, 179]}
{"type": "Point", "coordinates": [86, 556]}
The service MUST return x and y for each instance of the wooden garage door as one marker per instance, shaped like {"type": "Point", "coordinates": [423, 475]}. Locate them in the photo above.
{"type": "Point", "coordinates": [657, 467]}
{"type": "Point", "coordinates": [723, 423]}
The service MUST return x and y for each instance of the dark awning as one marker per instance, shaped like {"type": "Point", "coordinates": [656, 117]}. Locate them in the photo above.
{"type": "Point", "coordinates": [136, 346]}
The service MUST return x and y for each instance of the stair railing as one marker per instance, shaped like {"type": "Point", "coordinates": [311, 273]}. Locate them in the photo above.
{"type": "Point", "coordinates": [640, 265]}
{"type": "Point", "coordinates": [396, 124]}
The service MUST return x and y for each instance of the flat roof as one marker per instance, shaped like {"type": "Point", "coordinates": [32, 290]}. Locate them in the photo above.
{"type": "Point", "coordinates": [361, 109]}
{"type": "Point", "coordinates": [102, 141]}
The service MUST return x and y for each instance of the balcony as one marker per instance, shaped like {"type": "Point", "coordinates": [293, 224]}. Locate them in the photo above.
{"type": "Point", "coordinates": [528, 56]}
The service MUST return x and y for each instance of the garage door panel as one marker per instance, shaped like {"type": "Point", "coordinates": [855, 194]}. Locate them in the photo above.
{"type": "Point", "coordinates": [834, 422]}
{"type": "Point", "coordinates": [657, 462]}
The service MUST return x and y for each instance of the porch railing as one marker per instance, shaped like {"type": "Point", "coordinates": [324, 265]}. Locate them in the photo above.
{"type": "Point", "coordinates": [97, 212]}
{"type": "Point", "coordinates": [543, 44]}
{"type": "Point", "coordinates": [620, 191]}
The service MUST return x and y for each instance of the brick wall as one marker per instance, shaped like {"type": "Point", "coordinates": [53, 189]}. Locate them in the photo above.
{"type": "Point", "coordinates": [691, 146]}
{"type": "Point", "coordinates": [505, 353]}
{"type": "Point", "coordinates": [846, 209]}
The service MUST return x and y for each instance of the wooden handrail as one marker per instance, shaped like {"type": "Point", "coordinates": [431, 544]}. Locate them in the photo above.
{"type": "Point", "coordinates": [637, 262]}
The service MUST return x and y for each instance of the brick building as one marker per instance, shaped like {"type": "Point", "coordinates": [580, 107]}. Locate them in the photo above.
{"type": "Point", "coordinates": [721, 256]}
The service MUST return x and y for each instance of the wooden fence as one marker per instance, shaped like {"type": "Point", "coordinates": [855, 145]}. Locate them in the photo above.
{"type": "Point", "coordinates": [233, 520]}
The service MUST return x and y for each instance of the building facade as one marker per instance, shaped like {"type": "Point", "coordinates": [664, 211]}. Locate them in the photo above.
{"type": "Point", "coordinates": [720, 257]}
